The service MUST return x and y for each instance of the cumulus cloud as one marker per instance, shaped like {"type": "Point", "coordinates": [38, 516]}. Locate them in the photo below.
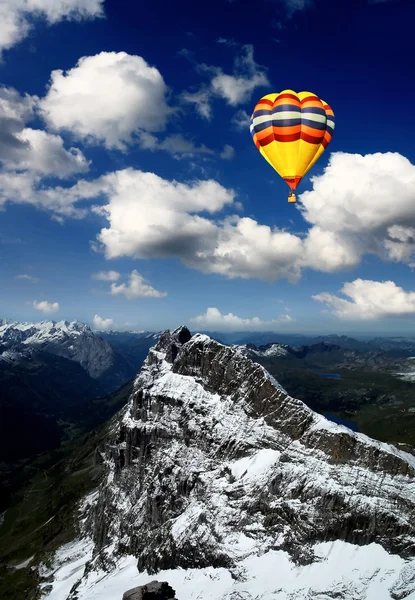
{"type": "Point", "coordinates": [27, 188]}
{"type": "Point", "coordinates": [214, 319]}
{"type": "Point", "coordinates": [107, 275]}
{"type": "Point", "coordinates": [367, 203]}
{"type": "Point", "coordinates": [358, 205]}
{"type": "Point", "coordinates": [244, 248]}
{"type": "Point", "coordinates": [165, 223]}
{"type": "Point", "coordinates": [34, 150]}
{"type": "Point", "coordinates": [44, 154]}
{"type": "Point", "coordinates": [45, 306]}
{"type": "Point", "coordinates": [236, 88]}
{"type": "Point", "coordinates": [15, 111]}
{"type": "Point", "coordinates": [152, 217]}
{"type": "Point", "coordinates": [27, 278]}
{"type": "Point", "coordinates": [15, 15]}
{"type": "Point", "coordinates": [136, 288]}
{"type": "Point", "coordinates": [101, 324]}
{"type": "Point", "coordinates": [369, 300]}
{"type": "Point", "coordinates": [108, 98]}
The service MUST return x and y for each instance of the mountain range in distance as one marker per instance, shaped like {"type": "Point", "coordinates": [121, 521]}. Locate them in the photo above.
{"type": "Point", "coordinates": [55, 378]}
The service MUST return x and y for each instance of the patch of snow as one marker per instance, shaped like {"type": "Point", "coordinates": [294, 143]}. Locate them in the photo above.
{"type": "Point", "coordinates": [254, 467]}
{"type": "Point", "coordinates": [68, 566]}
{"type": "Point", "coordinates": [364, 572]}
{"type": "Point", "coordinates": [23, 564]}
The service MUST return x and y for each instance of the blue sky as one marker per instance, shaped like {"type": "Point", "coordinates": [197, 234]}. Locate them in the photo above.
{"type": "Point", "coordinates": [133, 197]}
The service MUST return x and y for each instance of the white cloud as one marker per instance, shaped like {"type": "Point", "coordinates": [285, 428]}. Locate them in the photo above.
{"type": "Point", "coordinates": [359, 205]}
{"type": "Point", "coordinates": [228, 152]}
{"type": "Point", "coordinates": [107, 275]}
{"type": "Point", "coordinates": [107, 98]}
{"type": "Point", "coordinates": [26, 188]}
{"type": "Point", "coordinates": [369, 300]}
{"type": "Point", "coordinates": [286, 318]}
{"type": "Point", "coordinates": [214, 319]}
{"type": "Point", "coordinates": [102, 324]}
{"type": "Point", "coordinates": [164, 222]}
{"type": "Point", "coordinates": [45, 306]}
{"type": "Point", "coordinates": [15, 14]}
{"type": "Point", "coordinates": [44, 153]}
{"type": "Point", "coordinates": [241, 120]}
{"type": "Point", "coordinates": [27, 278]}
{"type": "Point", "coordinates": [136, 288]}
{"type": "Point", "coordinates": [244, 248]}
{"type": "Point", "coordinates": [25, 149]}
{"type": "Point", "coordinates": [247, 76]}
{"type": "Point", "coordinates": [201, 99]}
{"type": "Point", "coordinates": [328, 251]}
{"type": "Point", "coordinates": [367, 204]}
{"type": "Point", "coordinates": [236, 88]}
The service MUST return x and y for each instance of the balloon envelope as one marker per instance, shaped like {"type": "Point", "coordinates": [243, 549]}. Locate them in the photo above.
{"type": "Point", "coordinates": [291, 131]}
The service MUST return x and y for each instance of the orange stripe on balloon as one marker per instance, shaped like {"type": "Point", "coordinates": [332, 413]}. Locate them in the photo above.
{"type": "Point", "coordinates": [287, 130]}
{"type": "Point", "coordinates": [289, 101]}
{"type": "Point", "coordinates": [264, 133]}
{"type": "Point", "coordinates": [312, 131]}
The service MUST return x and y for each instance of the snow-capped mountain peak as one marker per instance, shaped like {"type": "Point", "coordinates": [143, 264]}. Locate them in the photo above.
{"type": "Point", "coordinates": [213, 468]}
{"type": "Point", "coordinates": [70, 339]}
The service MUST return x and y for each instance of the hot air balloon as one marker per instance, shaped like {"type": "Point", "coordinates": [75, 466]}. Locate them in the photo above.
{"type": "Point", "coordinates": [291, 131]}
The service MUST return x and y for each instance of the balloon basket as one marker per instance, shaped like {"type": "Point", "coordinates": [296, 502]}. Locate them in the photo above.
{"type": "Point", "coordinates": [292, 198]}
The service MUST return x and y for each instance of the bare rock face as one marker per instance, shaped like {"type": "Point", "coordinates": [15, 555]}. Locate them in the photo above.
{"type": "Point", "coordinates": [213, 461]}
{"type": "Point", "coordinates": [154, 590]}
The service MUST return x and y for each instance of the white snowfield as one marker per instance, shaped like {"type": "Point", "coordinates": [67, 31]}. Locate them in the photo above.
{"type": "Point", "coordinates": [343, 571]}
{"type": "Point", "coordinates": [340, 571]}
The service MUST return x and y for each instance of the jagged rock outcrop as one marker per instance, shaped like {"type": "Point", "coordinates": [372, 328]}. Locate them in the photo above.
{"type": "Point", "coordinates": [73, 341]}
{"type": "Point", "coordinates": [213, 461]}
{"type": "Point", "coordinates": [155, 590]}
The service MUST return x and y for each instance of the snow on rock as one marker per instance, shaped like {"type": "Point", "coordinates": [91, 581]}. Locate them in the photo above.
{"type": "Point", "coordinates": [256, 466]}
{"type": "Point", "coordinates": [342, 571]}
{"type": "Point", "coordinates": [72, 340]}
{"type": "Point", "coordinates": [226, 487]}
{"type": "Point", "coordinates": [270, 350]}
{"type": "Point", "coordinates": [68, 567]}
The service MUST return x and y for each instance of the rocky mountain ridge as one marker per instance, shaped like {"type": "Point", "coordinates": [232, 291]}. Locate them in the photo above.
{"type": "Point", "coordinates": [72, 340]}
{"type": "Point", "coordinates": [212, 465]}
